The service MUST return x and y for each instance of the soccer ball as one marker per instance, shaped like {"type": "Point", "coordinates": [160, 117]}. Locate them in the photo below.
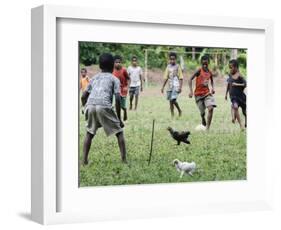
{"type": "Point", "coordinates": [200, 128]}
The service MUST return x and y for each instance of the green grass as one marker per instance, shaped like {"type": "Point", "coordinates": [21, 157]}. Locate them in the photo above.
{"type": "Point", "coordinates": [220, 154]}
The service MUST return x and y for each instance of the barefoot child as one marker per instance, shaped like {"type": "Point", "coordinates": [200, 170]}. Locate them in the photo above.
{"type": "Point", "coordinates": [135, 74]}
{"type": "Point", "coordinates": [173, 75]}
{"type": "Point", "coordinates": [99, 113]}
{"type": "Point", "coordinates": [121, 73]}
{"type": "Point", "coordinates": [203, 95]}
{"type": "Point", "coordinates": [235, 86]}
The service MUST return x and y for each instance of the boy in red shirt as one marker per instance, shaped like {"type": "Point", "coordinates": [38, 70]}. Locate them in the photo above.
{"type": "Point", "coordinates": [203, 95]}
{"type": "Point", "coordinates": [121, 73]}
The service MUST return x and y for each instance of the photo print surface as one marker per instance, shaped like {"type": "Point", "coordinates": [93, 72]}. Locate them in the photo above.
{"type": "Point", "coordinates": [161, 114]}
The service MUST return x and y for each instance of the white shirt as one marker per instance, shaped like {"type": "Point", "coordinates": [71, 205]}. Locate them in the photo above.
{"type": "Point", "coordinates": [135, 75]}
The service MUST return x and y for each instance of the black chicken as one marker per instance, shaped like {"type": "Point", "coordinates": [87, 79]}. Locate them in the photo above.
{"type": "Point", "coordinates": [179, 136]}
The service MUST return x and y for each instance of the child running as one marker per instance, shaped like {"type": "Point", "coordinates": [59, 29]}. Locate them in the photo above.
{"type": "Point", "coordinates": [136, 84]}
{"type": "Point", "coordinates": [173, 75]}
{"type": "Point", "coordinates": [121, 73]}
{"type": "Point", "coordinates": [235, 87]}
{"type": "Point", "coordinates": [99, 113]}
{"type": "Point", "coordinates": [203, 95]}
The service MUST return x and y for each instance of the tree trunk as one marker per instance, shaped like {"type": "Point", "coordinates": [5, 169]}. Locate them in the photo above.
{"type": "Point", "coordinates": [224, 58]}
{"type": "Point", "coordinates": [216, 59]}
{"type": "Point", "coordinates": [182, 64]}
{"type": "Point", "coordinates": [193, 53]}
{"type": "Point", "coordinates": [234, 53]}
{"type": "Point", "coordinates": [145, 67]}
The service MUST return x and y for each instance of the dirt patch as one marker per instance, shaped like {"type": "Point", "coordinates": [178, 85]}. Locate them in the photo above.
{"type": "Point", "coordinates": [155, 77]}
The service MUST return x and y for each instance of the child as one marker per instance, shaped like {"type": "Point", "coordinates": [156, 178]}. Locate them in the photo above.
{"type": "Point", "coordinates": [135, 74]}
{"type": "Point", "coordinates": [84, 81]}
{"type": "Point", "coordinates": [235, 86]}
{"type": "Point", "coordinates": [203, 95]}
{"type": "Point", "coordinates": [121, 73]}
{"type": "Point", "coordinates": [173, 75]}
{"type": "Point", "coordinates": [99, 112]}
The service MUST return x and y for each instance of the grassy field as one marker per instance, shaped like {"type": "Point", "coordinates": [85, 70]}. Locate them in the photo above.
{"type": "Point", "coordinates": [220, 154]}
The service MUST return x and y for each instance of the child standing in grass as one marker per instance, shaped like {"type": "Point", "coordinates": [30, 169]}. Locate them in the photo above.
{"type": "Point", "coordinates": [121, 73]}
{"type": "Point", "coordinates": [173, 75]}
{"type": "Point", "coordinates": [135, 74]}
{"type": "Point", "coordinates": [84, 81]}
{"type": "Point", "coordinates": [99, 113]}
{"type": "Point", "coordinates": [235, 87]}
{"type": "Point", "coordinates": [203, 95]}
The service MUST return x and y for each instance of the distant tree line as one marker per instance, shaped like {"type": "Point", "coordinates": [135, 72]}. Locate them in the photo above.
{"type": "Point", "coordinates": [157, 55]}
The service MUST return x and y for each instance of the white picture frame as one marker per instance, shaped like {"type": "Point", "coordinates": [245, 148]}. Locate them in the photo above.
{"type": "Point", "coordinates": [46, 183]}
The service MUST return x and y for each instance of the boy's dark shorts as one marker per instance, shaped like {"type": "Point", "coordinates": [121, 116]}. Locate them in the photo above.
{"type": "Point", "coordinates": [99, 116]}
{"type": "Point", "coordinates": [134, 91]}
{"type": "Point", "coordinates": [236, 102]}
{"type": "Point", "coordinates": [204, 102]}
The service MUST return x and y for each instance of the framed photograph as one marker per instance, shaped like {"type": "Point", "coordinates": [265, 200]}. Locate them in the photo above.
{"type": "Point", "coordinates": [141, 114]}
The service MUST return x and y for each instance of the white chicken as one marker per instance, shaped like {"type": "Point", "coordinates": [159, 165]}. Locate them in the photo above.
{"type": "Point", "coordinates": [185, 167]}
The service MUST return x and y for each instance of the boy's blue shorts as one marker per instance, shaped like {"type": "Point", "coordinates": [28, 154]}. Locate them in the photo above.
{"type": "Point", "coordinates": [172, 95]}
{"type": "Point", "coordinates": [134, 91]}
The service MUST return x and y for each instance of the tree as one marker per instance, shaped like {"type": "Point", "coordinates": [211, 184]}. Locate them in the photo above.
{"type": "Point", "coordinates": [193, 53]}
{"type": "Point", "coordinates": [234, 53]}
